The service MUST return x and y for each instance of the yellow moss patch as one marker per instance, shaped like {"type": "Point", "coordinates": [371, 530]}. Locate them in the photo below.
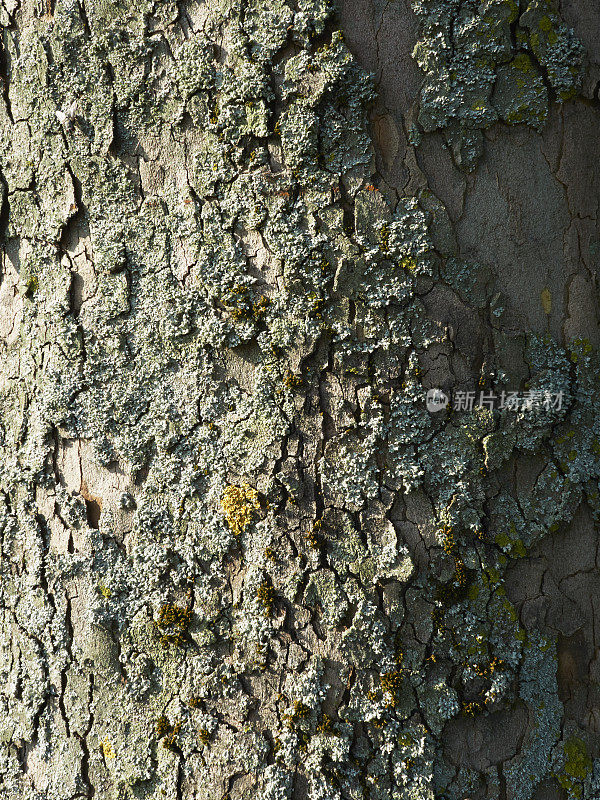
{"type": "Point", "coordinates": [107, 749]}
{"type": "Point", "coordinates": [391, 683]}
{"type": "Point", "coordinates": [240, 505]}
{"type": "Point", "coordinates": [546, 299]}
{"type": "Point", "coordinates": [578, 765]}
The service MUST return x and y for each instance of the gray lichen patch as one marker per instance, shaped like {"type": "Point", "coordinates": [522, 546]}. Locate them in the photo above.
{"type": "Point", "coordinates": [489, 61]}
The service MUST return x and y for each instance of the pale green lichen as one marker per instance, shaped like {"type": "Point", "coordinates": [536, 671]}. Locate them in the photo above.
{"type": "Point", "coordinates": [491, 60]}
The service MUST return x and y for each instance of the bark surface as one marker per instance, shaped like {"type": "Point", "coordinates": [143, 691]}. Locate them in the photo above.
{"type": "Point", "coordinates": [240, 556]}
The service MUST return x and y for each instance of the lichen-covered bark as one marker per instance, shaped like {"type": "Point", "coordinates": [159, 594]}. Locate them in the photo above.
{"type": "Point", "coordinates": [240, 558]}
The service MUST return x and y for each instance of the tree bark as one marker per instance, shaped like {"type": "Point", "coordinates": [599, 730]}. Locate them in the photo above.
{"type": "Point", "coordinates": [298, 422]}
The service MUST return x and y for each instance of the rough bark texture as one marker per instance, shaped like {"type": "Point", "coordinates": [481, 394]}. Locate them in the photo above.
{"type": "Point", "coordinates": [240, 558]}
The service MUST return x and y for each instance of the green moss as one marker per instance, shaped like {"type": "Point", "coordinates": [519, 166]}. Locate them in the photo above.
{"type": "Point", "coordinates": [502, 540]}
{"type": "Point", "coordinates": [518, 549]}
{"type": "Point", "coordinates": [266, 596]}
{"type": "Point", "coordinates": [31, 286]}
{"type": "Point", "coordinates": [577, 766]}
{"type": "Point", "coordinates": [172, 624]}
{"type": "Point", "coordinates": [167, 732]}
{"type": "Point", "coordinates": [578, 763]}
